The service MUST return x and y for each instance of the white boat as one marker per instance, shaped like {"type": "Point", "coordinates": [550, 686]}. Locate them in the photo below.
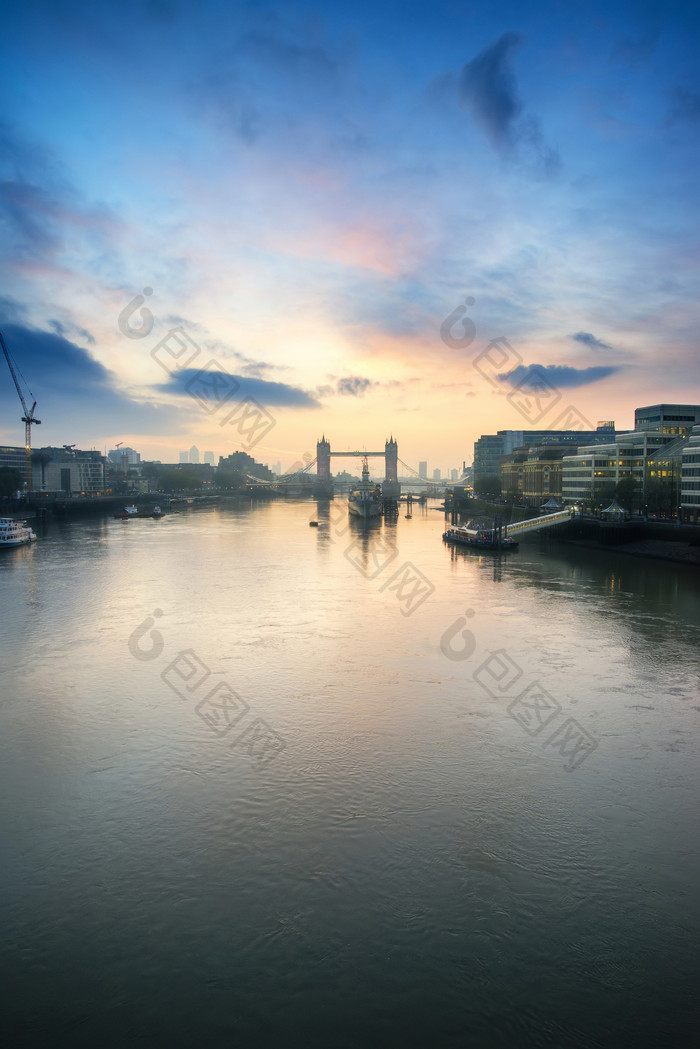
{"type": "Point", "coordinates": [366, 499]}
{"type": "Point", "coordinates": [479, 538]}
{"type": "Point", "coordinates": [15, 533]}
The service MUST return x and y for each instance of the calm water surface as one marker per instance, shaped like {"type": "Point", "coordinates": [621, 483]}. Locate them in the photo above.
{"type": "Point", "coordinates": [458, 805]}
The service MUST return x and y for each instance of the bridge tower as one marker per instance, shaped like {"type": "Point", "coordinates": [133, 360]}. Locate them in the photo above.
{"type": "Point", "coordinates": [391, 489]}
{"type": "Point", "coordinates": [323, 488]}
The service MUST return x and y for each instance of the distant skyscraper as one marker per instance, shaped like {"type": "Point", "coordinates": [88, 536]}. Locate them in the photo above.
{"type": "Point", "coordinates": [194, 454]}
{"type": "Point", "coordinates": [277, 469]}
{"type": "Point", "coordinates": [423, 470]}
{"type": "Point", "coordinates": [436, 474]}
{"type": "Point", "coordinates": [209, 458]}
{"type": "Point", "coordinates": [454, 475]}
{"type": "Point", "coordinates": [183, 457]}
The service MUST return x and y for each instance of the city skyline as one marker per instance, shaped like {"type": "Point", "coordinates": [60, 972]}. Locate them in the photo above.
{"type": "Point", "coordinates": [341, 229]}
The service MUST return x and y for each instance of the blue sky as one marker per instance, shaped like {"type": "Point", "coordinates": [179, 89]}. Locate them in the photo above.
{"type": "Point", "coordinates": [309, 191]}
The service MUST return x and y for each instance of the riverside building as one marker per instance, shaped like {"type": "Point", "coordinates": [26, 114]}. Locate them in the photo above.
{"type": "Point", "coordinates": [690, 479]}
{"type": "Point", "coordinates": [489, 448]}
{"type": "Point", "coordinates": [533, 474]}
{"type": "Point", "coordinates": [651, 451]}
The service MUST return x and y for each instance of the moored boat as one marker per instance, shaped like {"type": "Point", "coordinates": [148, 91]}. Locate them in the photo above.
{"type": "Point", "coordinates": [130, 512]}
{"type": "Point", "coordinates": [366, 499]}
{"type": "Point", "coordinates": [15, 533]}
{"type": "Point", "coordinates": [479, 538]}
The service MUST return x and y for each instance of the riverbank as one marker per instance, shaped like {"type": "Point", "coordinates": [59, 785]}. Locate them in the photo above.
{"type": "Point", "coordinates": [656, 549]}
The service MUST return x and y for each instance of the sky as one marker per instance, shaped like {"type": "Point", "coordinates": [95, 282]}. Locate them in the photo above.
{"type": "Point", "coordinates": [245, 225]}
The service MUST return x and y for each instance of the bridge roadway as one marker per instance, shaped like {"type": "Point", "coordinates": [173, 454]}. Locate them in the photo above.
{"type": "Point", "coordinates": [535, 523]}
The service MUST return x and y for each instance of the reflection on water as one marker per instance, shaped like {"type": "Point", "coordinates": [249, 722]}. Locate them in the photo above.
{"type": "Point", "coordinates": [415, 865]}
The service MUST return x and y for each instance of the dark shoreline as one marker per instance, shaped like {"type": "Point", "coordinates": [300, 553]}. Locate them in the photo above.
{"type": "Point", "coordinates": [674, 552]}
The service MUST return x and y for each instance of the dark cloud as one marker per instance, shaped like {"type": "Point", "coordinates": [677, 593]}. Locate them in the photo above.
{"type": "Point", "coordinates": [592, 341]}
{"type": "Point", "coordinates": [559, 375]}
{"type": "Point", "coordinates": [270, 394]}
{"type": "Point", "coordinates": [71, 385]}
{"type": "Point", "coordinates": [353, 385]}
{"type": "Point", "coordinates": [12, 311]}
{"type": "Point", "coordinates": [487, 88]}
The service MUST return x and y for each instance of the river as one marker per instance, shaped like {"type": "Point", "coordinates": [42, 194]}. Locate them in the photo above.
{"type": "Point", "coordinates": [266, 783]}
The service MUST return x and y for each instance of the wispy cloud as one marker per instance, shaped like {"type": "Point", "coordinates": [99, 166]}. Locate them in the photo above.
{"type": "Point", "coordinates": [64, 330]}
{"type": "Point", "coordinates": [592, 341]}
{"type": "Point", "coordinates": [560, 375]}
{"type": "Point", "coordinates": [354, 386]}
{"type": "Point", "coordinates": [39, 210]}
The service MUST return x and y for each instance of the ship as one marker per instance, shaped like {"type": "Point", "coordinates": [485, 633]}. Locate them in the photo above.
{"type": "Point", "coordinates": [15, 533]}
{"type": "Point", "coordinates": [479, 538]}
{"type": "Point", "coordinates": [366, 499]}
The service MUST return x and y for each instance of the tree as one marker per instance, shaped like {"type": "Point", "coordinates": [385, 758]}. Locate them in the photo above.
{"type": "Point", "coordinates": [11, 481]}
{"type": "Point", "coordinates": [603, 492]}
{"type": "Point", "coordinates": [177, 479]}
{"type": "Point", "coordinates": [627, 493]}
{"type": "Point", "coordinates": [661, 496]}
{"type": "Point", "coordinates": [229, 478]}
{"type": "Point", "coordinates": [490, 485]}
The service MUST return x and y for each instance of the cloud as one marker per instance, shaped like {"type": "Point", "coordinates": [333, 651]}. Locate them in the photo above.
{"type": "Point", "coordinates": [62, 329]}
{"type": "Point", "coordinates": [559, 375]}
{"type": "Point", "coordinates": [69, 385]}
{"type": "Point", "coordinates": [487, 88]}
{"type": "Point", "coordinates": [592, 341]}
{"type": "Point", "coordinates": [271, 394]}
{"type": "Point", "coordinates": [39, 210]}
{"type": "Point", "coordinates": [262, 78]}
{"type": "Point", "coordinates": [354, 386]}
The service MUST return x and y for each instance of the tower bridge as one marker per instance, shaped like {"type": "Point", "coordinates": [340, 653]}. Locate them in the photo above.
{"type": "Point", "coordinates": [302, 479]}
{"type": "Point", "coordinates": [391, 489]}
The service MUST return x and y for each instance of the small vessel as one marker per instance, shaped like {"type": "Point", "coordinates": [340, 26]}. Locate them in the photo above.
{"type": "Point", "coordinates": [313, 524]}
{"type": "Point", "coordinates": [366, 499]}
{"type": "Point", "coordinates": [15, 533]}
{"type": "Point", "coordinates": [479, 538]}
{"type": "Point", "coordinates": [130, 512]}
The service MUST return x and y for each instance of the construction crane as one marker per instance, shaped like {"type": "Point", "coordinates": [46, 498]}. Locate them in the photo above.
{"type": "Point", "coordinates": [27, 418]}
